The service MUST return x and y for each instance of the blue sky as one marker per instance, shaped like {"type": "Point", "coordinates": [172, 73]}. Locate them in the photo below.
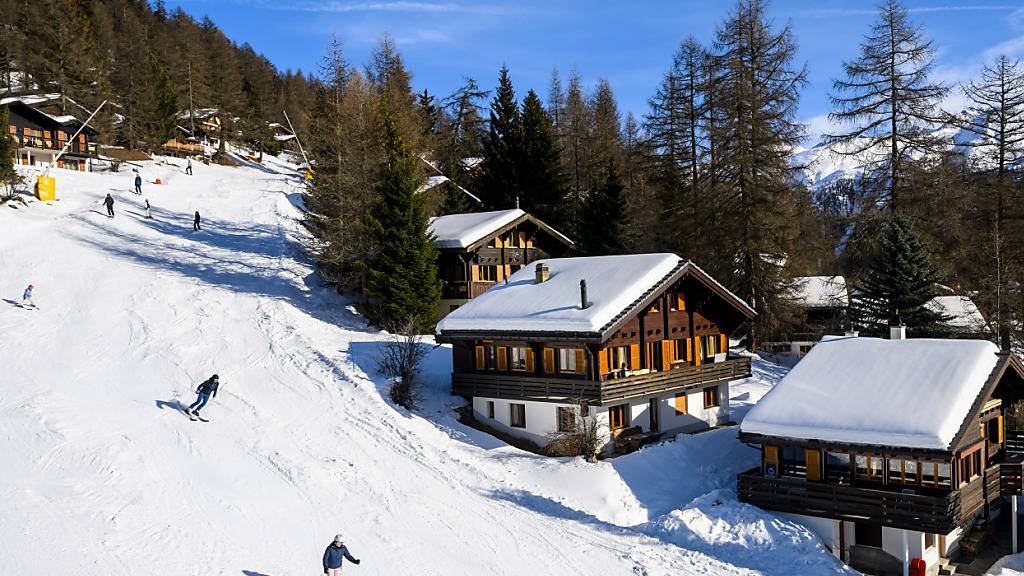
{"type": "Point", "coordinates": [630, 43]}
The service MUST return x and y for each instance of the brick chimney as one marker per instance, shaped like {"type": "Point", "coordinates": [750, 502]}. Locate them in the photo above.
{"type": "Point", "coordinates": [543, 273]}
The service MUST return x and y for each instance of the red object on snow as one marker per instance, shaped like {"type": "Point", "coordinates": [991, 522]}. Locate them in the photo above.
{"type": "Point", "coordinates": [918, 567]}
{"type": "Point", "coordinates": [157, 181]}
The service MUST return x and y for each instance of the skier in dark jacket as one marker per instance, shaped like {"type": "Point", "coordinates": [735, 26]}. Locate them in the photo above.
{"type": "Point", "coordinates": [138, 184]}
{"type": "Point", "coordinates": [205, 391]}
{"type": "Point", "coordinates": [109, 203]}
{"type": "Point", "coordinates": [195, 222]}
{"type": "Point", "coordinates": [335, 554]}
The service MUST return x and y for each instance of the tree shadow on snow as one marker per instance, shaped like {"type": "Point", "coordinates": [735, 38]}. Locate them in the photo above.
{"type": "Point", "coordinates": [256, 259]}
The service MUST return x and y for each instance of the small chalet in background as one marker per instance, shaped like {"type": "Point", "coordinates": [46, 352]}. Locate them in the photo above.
{"type": "Point", "coordinates": [964, 318]}
{"type": "Point", "coordinates": [40, 137]}
{"type": "Point", "coordinates": [639, 342]}
{"type": "Point", "coordinates": [824, 301]}
{"type": "Point", "coordinates": [478, 250]}
{"type": "Point", "coordinates": [889, 450]}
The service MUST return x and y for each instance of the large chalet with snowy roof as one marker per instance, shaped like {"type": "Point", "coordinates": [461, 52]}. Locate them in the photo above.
{"type": "Point", "coordinates": [823, 302]}
{"type": "Point", "coordinates": [638, 342]}
{"type": "Point", "coordinates": [889, 450]}
{"type": "Point", "coordinates": [40, 136]}
{"type": "Point", "coordinates": [481, 249]}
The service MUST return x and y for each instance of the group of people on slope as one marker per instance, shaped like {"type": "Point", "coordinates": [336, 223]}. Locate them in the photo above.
{"type": "Point", "coordinates": [109, 200]}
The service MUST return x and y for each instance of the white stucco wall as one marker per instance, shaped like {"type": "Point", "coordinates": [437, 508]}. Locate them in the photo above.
{"type": "Point", "coordinates": [541, 418]}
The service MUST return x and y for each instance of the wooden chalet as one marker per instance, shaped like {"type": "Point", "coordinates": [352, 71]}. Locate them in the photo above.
{"type": "Point", "coordinates": [824, 303]}
{"type": "Point", "coordinates": [481, 249]}
{"type": "Point", "coordinates": [41, 136]}
{"type": "Point", "coordinates": [638, 342]}
{"type": "Point", "coordinates": [890, 450]}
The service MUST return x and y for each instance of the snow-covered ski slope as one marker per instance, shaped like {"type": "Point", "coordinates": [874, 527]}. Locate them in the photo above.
{"type": "Point", "coordinates": [102, 474]}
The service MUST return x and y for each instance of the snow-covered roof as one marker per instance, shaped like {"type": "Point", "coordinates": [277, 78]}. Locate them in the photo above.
{"type": "Point", "coordinates": [283, 137]}
{"type": "Point", "coordinates": [464, 230]}
{"type": "Point", "coordinates": [470, 162]}
{"type": "Point", "coordinates": [821, 291]}
{"type": "Point", "coordinates": [962, 312]}
{"type": "Point", "coordinates": [521, 304]}
{"type": "Point", "coordinates": [438, 180]}
{"type": "Point", "coordinates": [913, 393]}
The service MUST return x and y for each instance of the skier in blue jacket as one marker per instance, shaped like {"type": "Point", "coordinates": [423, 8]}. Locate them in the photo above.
{"type": "Point", "coordinates": [138, 184]}
{"type": "Point", "coordinates": [26, 297]}
{"type": "Point", "coordinates": [335, 554]}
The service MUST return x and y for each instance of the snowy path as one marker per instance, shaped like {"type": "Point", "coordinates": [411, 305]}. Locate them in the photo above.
{"type": "Point", "coordinates": [103, 474]}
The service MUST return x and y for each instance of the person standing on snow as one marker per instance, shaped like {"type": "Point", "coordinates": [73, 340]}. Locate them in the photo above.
{"type": "Point", "coordinates": [138, 184]}
{"type": "Point", "coordinates": [109, 203]}
{"type": "Point", "coordinates": [335, 554]}
{"type": "Point", "coordinates": [205, 391]}
{"type": "Point", "coordinates": [195, 223]}
{"type": "Point", "coordinates": [188, 167]}
{"type": "Point", "coordinates": [149, 214]}
{"type": "Point", "coordinates": [26, 297]}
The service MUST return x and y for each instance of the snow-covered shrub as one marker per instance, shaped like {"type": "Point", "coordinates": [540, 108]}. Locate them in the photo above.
{"type": "Point", "coordinates": [400, 357]}
{"type": "Point", "coordinates": [586, 438]}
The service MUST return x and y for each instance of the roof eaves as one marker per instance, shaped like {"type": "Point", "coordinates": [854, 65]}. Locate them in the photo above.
{"type": "Point", "coordinates": [1005, 360]}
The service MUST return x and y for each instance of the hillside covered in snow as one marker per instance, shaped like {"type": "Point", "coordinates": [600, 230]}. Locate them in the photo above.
{"type": "Point", "coordinates": [104, 474]}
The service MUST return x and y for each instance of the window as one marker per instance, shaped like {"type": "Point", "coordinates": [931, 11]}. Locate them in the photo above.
{"type": "Point", "coordinates": [711, 397]}
{"type": "Point", "coordinates": [517, 415]}
{"type": "Point", "coordinates": [654, 355]}
{"type": "Point", "coordinates": [709, 346]}
{"type": "Point", "coordinates": [490, 409]}
{"type": "Point", "coordinates": [970, 465]}
{"type": "Point", "coordinates": [655, 308]}
{"type": "Point", "coordinates": [680, 403]}
{"type": "Point", "coordinates": [792, 462]}
{"type": "Point", "coordinates": [570, 360]}
{"type": "Point", "coordinates": [869, 467]}
{"type": "Point", "coordinates": [486, 356]}
{"type": "Point", "coordinates": [679, 349]}
{"type": "Point", "coordinates": [837, 467]}
{"type": "Point", "coordinates": [620, 358]}
{"type": "Point", "coordinates": [566, 419]}
{"type": "Point", "coordinates": [868, 534]}
{"type": "Point", "coordinates": [522, 358]}
{"type": "Point", "coordinates": [676, 301]}
{"type": "Point", "coordinates": [618, 416]}
{"type": "Point", "coordinates": [904, 471]}
{"type": "Point", "coordinates": [488, 273]}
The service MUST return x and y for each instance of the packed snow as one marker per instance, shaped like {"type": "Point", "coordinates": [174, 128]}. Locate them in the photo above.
{"type": "Point", "coordinates": [104, 474]}
{"type": "Point", "coordinates": [914, 393]}
{"type": "Point", "coordinates": [613, 284]}
{"type": "Point", "coordinates": [822, 291]}
{"type": "Point", "coordinates": [463, 230]}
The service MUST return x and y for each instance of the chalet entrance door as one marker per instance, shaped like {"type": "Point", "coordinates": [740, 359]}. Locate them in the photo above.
{"type": "Point", "coordinates": [652, 409]}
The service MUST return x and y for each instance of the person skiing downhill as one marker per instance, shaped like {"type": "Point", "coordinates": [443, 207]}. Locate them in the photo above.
{"type": "Point", "coordinates": [188, 167]}
{"type": "Point", "coordinates": [26, 297]}
{"type": "Point", "coordinates": [109, 203]}
{"type": "Point", "coordinates": [205, 391]}
{"type": "Point", "coordinates": [335, 554]}
{"type": "Point", "coordinates": [195, 222]}
{"type": "Point", "coordinates": [149, 214]}
{"type": "Point", "coordinates": [138, 184]}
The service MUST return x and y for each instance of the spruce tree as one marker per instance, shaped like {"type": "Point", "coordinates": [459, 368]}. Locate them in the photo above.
{"type": "Point", "coordinates": [539, 170]}
{"type": "Point", "coordinates": [402, 283]}
{"type": "Point", "coordinates": [604, 212]}
{"type": "Point", "coordinates": [499, 180]}
{"type": "Point", "coordinates": [455, 200]}
{"type": "Point", "coordinates": [900, 282]}
{"type": "Point", "coordinates": [8, 175]}
{"type": "Point", "coordinates": [889, 100]}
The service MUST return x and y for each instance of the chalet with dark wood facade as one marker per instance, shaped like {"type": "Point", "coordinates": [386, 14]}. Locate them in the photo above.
{"type": "Point", "coordinates": [41, 136]}
{"type": "Point", "coordinates": [637, 342]}
{"type": "Point", "coordinates": [890, 450]}
{"type": "Point", "coordinates": [824, 303]}
{"type": "Point", "coordinates": [481, 249]}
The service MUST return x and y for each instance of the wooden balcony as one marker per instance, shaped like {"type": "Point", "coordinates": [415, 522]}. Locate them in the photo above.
{"type": "Point", "coordinates": [463, 289]}
{"type": "Point", "coordinates": [935, 512]}
{"type": "Point", "coordinates": [520, 386]}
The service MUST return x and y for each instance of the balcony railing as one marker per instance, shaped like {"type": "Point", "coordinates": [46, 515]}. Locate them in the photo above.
{"type": "Point", "coordinates": [936, 513]}
{"type": "Point", "coordinates": [524, 386]}
{"type": "Point", "coordinates": [464, 289]}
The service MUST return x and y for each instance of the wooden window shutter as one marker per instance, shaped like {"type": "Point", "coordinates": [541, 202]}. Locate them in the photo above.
{"type": "Point", "coordinates": [502, 358]}
{"type": "Point", "coordinates": [666, 355]}
{"type": "Point", "coordinates": [475, 270]}
{"type": "Point", "coordinates": [529, 359]}
{"type": "Point", "coordinates": [634, 356]}
{"type": "Point", "coordinates": [603, 359]}
{"type": "Point", "coordinates": [580, 364]}
{"type": "Point", "coordinates": [771, 454]}
{"type": "Point", "coordinates": [723, 345]}
{"type": "Point", "coordinates": [680, 403]}
{"type": "Point", "coordinates": [689, 349]}
{"type": "Point", "coordinates": [680, 301]}
{"type": "Point", "coordinates": [999, 433]}
{"type": "Point", "coordinates": [813, 464]}
{"type": "Point", "coordinates": [696, 350]}
{"type": "Point", "coordinates": [549, 360]}
{"type": "Point", "coordinates": [480, 364]}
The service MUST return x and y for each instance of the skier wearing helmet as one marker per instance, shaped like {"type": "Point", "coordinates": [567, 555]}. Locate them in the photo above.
{"type": "Point", "coordinates": [26, 297]}
{"type": "Point", "coordinates": [335, 554]}
{"type": "Point", "coordinates": [205, 391]}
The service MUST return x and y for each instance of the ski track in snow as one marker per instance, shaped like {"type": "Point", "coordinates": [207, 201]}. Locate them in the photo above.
{"type": "Point", "coordinates": [104, 474]}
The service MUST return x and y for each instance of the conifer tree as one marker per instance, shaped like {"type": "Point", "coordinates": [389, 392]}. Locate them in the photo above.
{"type": "Point", "coordinates": [604, 211]}
{"type": "Point", "coordinates": [402, 283]}
{"type": "Point", "coordinates": [900, 281]}
{"type": "Point", "coordinates": [499, 179]}
{"type": "Point", "coordinates": [542, 186]}
{"type": "Point", "coordinates": [888, 99]}
{"type": "Point", "coordinates": [455, 200]}
{"type": "Point", "coordinates": [163, 106]}
{"type": "Point", "coordinates": [8, 175]}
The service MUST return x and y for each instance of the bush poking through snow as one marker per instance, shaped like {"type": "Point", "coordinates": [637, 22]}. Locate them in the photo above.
{"type": "Point", "coordinates": [401, 355]}
{"type": "Point", "coordinates": [585, 439]}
